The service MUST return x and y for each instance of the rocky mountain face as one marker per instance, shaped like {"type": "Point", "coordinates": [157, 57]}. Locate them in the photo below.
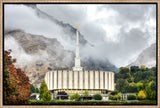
{"type": "Point", "coordinates": [147, 57]}
{"type": "Point", "coordinates": [37, 55]}
{"type": "Point", "coordinates": [66, 28]}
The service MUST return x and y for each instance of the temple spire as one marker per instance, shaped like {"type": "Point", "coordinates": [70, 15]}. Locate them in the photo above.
{"type": "Point", "coordinates": [77, 44]}
{"type": "Point", "coordinates": [77, 66]}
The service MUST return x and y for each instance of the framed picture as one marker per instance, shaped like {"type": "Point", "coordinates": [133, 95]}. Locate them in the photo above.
{"type": "Point", "coordinates": [74, 53]}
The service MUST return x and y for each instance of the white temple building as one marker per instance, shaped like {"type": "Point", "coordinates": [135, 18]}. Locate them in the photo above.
{"type": "Point", "coordinates": [79, 80]}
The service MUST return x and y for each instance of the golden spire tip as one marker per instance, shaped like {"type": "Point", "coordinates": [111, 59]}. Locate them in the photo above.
{"type": "Point", "coordinates": [77, 26]}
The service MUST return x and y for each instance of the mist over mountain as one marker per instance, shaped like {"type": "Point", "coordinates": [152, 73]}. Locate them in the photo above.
{"type": "Point", "coordinates": [37, 55]}
{"type": "Point", "coordinates": [102, 35]}
{"type": "Point", "coordinates": [43, 36]}
{"type": "Point", "coordinates": [147, 57]}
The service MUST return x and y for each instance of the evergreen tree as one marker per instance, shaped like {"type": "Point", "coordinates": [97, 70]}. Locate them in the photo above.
{"type": "Point", "coordinates": [43, 89]}
{"type": "Point", "coordinates": [33, 89]}
{"type": "Point", "coordinates": [47, 96]}
{"type": "Point", "coordinates": [37, 90]}
{"type": "Point", "coordinates": [121, 85]}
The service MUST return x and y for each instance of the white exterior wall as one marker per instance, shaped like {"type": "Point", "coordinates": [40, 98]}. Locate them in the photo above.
{"type": "Point", "coordinates": [47, 80]}
{"type": "Point", "coordinates": [106, 80]}
{"type": "Point", "coordinates": [91, 80]}
{"type": "Point", "coordinates": [59, 79]}
{"type": "Point", "coordinates": [80, 79]}
{"type": "Point", "coordinates": [86, 79]}
{"type": "Point", "coordinates": [71, 82]}
{"type": "Point", "coordinates": [110, 80]}
{"type": "Point", "coordinates": [101, 79]}
{"type": "Point", "coordinates": [96, 80]}
{"type": "Point", "coordinates": [70, 79]}
{"type": "Point", "coordinates": [64, 79]}
{"type": "Point", "coordinates": [50, 75]}
{"type": "Point", "coordinates": [55, 80]}
{"type": "Point", "coordinates": [76, 80]}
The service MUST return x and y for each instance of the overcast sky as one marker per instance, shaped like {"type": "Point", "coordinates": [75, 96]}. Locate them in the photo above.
{"type": "Point", "coordinates": [119, 31]}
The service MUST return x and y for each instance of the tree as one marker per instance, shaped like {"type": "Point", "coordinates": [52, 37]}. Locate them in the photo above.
{"type": "Point", "coordinates": [143, 67]}
{"type": "Point", "coordinates": [43, 89]}
{"type": "Point", "coordinates": [153, 95]}
{"type": "Point", "coordinates": [86, 94]}
{"type": "Point", "coordinates": [123, 70]}
{"type": "Point", "coordinates": [134, 69]}
{"type": "Point", "coordinates": [121, 85]}
{"type": "Point", "coordinates": [97, 97]}
{"type": "Point", "coordinates": [138, 76]}
{"type": "Point", "coordinates": [123, 73]}
{"type": "Point", "coordinates": [16, 83]}
{"type": "Point", "coordinates": [141, 95]}
{"type": "Point", "coordinates": [119, 96]}
{"type": "Point", "coordinates": [131, 88]}
{"type": "Point", "coordinates": [37, 91]}
{"type": "Point", "coordinates": [139, 86]}
{"type": "Point", "coordinates": [148, 90]}
{"type": "Point", "coordinates": [33, 89]}
{"type": "Point", "coordinates": [153, 86]}
{"type": "Point", "coordinates": [47, 96]}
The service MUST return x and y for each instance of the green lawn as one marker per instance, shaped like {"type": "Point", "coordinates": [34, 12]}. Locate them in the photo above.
{"type": "Point", "coordinates": [62, 102]}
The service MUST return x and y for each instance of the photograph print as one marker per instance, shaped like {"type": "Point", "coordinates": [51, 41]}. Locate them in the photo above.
{"type": "Point", "coordinates": [80, 54]}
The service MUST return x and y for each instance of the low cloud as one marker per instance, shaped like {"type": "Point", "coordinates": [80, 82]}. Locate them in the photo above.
{"type": "Point", "coordinates": [119, 32]}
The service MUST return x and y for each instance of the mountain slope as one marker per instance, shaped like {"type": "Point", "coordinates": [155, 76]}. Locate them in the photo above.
{"type": "Point", "coordinates": [37, 55]}
{"type": "Point", "coordinates": [147, 57]}
{"type": "Point", "coordinates": [67, 28]}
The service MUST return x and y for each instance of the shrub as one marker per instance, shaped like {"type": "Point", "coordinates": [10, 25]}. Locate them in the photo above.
{"type": "Point", "coordinates": [141, 95]}
{"type": "Point", "coordinates": [148, 91]}
{"type": "Point", "coordinates": [97, 97]}
{"type": "Point", "coordinates": [115, 97]}
{"type": "Point", "coordinates": [86, 93]}
{"type": "Point", "coordinates": [153, 95]}
{"type": "Point", "coordinates": [74, 96]}
{"type": "Point", "coordinates": [131, 97]}
{"type": "Point", "coordinates": [119, 95]}
{"type": "Point", "coordinates": [60, 102]}
{"type": "Point", "coordinates": [111, 97]}
{"type": "Point", "coordinates": [124, 100]}
{"type": "Point", "coordinates": [47, 96]}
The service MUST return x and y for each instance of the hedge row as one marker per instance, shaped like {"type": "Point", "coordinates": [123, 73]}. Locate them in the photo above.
{"type": "Point", "coordinates": [62, 102]}
{"type": "Point", "coordinates": [131, 97]}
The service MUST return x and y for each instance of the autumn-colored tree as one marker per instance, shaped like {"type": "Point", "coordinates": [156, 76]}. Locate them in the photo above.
{"type": "Point", "coordinates": [141, 95]}
{"type": "Point", "coordinates": [16, 83]}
